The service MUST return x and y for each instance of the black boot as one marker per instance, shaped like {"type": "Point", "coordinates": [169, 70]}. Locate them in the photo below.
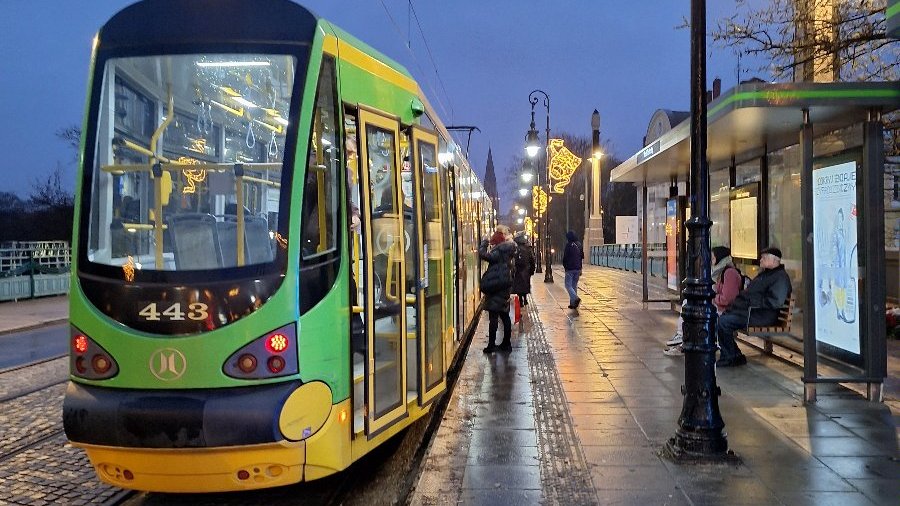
{"type": "Point", "coordinates": [491, 347]}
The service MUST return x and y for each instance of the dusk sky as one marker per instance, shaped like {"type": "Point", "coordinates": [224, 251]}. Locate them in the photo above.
{"type": "Point", "coordinates": [626, 59]}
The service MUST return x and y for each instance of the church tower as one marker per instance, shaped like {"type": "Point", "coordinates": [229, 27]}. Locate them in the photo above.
{"type": "Point", "coordinates": [490, 182]}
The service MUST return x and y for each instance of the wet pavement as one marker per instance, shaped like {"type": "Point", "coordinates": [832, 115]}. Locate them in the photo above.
{"type": "Point", "coordinates": [575, 414]}
{"type": "Point", "coordinates": [578, 412]}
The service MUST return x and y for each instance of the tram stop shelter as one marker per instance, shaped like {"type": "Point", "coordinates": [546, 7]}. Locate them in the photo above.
{"type": "Point", "coordinates": [800, 166]}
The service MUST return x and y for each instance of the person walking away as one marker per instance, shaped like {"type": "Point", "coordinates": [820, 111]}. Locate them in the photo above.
{"type": "Point", "coordinates": [728, 281]}
{"type": "Point", "coordinates": [524, 269]}
{"type": "Point", "coordinates": [765, 295]}
{"type": "Point", "coordinates": [572, 258]}
{"type": "Point", "coordinates": [496, 283]}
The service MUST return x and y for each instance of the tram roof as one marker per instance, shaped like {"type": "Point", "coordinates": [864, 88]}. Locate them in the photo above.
{"type": "Point", "coordinates": [755, 117]}
{"type": "Point", "coordinates": [156, 23]}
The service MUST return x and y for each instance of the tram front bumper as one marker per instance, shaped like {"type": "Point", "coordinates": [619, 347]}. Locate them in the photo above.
{"type": "Point", "coordinates": [199, 470]}
{"type": "Point", "coordinates": [197, 418]}
{"type": "Point", "coordinates": [196, 440]}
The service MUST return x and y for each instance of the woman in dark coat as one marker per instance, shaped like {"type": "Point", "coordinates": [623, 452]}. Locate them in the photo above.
{"type": "Point", "coordinates": [524, 269]}
{"type": "Point", "coordinates": [496, 283]}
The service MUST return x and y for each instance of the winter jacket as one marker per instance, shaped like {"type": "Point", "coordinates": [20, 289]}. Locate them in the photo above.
{"type": "Point", "coordinates": [766, 294]}
{"type": "Point", "coordinates": [728, 286]}
{"type": "Point", "coordinates": [573, 254]}
{"type": "Point", "coordinates": [524, 270]}
{"type": "Point", "coordinates": [499, 259]}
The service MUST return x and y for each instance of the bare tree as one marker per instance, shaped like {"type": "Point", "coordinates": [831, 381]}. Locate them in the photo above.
{"type": "Point", "coordinates": [803, 38]}
{"type": "Point", "coordinates": [72, 136]}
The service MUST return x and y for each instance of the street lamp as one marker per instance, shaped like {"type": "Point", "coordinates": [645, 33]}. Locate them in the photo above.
{"type": "Point", "coordinates": [592, 217]}
{"type": "Point", "coordinates": [532, 146]}
{"type": "Point", "coordinates": [700, 435]}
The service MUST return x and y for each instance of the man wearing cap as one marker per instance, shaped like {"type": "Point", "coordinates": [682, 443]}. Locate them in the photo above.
{"type": "Point", "coordinates": [765, 294]}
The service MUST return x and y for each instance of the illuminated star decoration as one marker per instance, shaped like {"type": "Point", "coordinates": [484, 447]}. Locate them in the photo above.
{"type": "Point", "coordinates": [562, 165]}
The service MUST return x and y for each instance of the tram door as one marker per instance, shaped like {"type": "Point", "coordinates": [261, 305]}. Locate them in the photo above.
{"type": "Point", "coordinates": [430, 263]}
{"type": "Point", "coordinates": [385, 270]}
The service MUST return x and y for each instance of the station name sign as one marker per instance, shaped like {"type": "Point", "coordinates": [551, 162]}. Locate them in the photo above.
{"type": "Point", "coordinates": [648, 152]}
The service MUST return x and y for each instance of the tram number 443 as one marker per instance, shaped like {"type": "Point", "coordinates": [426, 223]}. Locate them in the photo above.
{"type": "Point", "coordinates": [192, 311]}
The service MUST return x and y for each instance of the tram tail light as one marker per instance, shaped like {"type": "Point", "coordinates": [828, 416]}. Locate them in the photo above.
{"type": "Point", "coordinates": [88, 359]}
{"type": "Point", "coordinates": [277, 350]}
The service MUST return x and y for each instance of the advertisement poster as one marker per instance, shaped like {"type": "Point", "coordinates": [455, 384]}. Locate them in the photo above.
{"type": "Point", "coordinates": [627, 230]}
{"type": "Point", "coordinates": [836, 260]}
{"type": "Point", "coordinates": [744, 219]}
{"type": "Point", "coordinates": [672, 243]}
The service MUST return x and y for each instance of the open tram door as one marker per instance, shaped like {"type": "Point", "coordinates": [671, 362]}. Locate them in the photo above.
{"type": "Point", "coordinates": [430, 263]}
{"type": "Point", "coordinates": [385, 261]}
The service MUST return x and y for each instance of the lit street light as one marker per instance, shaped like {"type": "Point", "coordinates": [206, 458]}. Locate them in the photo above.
{"type": "Point", "coordinates": [532, 146]}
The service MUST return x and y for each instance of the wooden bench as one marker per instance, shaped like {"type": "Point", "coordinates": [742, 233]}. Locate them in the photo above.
{"type": "Point", "coordinates": [781, 328]}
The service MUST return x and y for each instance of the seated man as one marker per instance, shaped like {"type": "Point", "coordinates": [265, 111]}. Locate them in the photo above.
{"type": "Point", "coordinates": [766, 294]}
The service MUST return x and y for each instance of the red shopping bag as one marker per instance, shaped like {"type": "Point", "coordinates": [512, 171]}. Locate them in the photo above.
{"type": "Point", "coordinates": [515, 310]}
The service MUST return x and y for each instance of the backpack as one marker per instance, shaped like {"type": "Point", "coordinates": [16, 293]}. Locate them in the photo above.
{"type": "Point", "coordinates": [745, 280]}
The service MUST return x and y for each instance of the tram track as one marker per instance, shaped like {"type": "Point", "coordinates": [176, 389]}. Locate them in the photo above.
{"type": "Point", "coordinates": [38, 464]}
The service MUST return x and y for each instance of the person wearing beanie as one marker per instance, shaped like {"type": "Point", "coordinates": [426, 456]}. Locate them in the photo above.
{"type": "Point", "coordinates": [765, 294]}
{"type": "Point", "coordinates": [496, 283]}
{"type": "Point", "coordinates": [728, 283]}
{"type": "Point", "coordinates": [572, 259]}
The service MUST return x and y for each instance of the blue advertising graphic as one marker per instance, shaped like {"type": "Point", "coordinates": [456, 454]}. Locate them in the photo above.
{"type": "Point", "coordinates": [836, 260]}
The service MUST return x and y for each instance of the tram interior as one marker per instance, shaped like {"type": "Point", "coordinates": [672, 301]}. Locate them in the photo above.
{"type": "Point", "coordinates": [181, 141]}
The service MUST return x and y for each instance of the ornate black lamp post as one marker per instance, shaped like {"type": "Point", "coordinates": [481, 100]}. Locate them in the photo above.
{"type": "Point", "coordinates": [532, 147]}
{"type": "Point", "coordinates": [699, 435]}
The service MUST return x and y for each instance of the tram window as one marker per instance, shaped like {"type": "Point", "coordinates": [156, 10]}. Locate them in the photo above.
{"type": "Point", "coordinates": [188, 135]}
{"type": "Point", "coordinates": [321, 191]}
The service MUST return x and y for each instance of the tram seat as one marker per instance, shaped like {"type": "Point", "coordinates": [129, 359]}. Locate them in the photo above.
{"type": "Point", "coordinates": [195, 241]}
{"type": "Point", "coordinates": [257, 244]}
{"type": "Point", "coordinates": [257, 240]}
{"type": "Point", "coordinates": [227, 231]}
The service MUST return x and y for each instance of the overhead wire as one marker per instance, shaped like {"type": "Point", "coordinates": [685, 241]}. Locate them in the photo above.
{"type": "Point", "coordinates": [445, 108]}
{"type": "Point", "coordinates": [430, 55]}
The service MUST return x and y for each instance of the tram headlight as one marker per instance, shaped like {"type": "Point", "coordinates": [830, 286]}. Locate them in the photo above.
{"type": "Point", "coordinates": [277, 350]}
{"type": "Point", "coordinates": [88, 359]}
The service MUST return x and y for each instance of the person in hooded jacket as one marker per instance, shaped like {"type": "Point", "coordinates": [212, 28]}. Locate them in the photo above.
{"type": "Point", "coordinates": [496, 283]}
{"type": "Point", "coordinates": [524, 269]}
{"type": "Point", "coordinates": [572, 259]}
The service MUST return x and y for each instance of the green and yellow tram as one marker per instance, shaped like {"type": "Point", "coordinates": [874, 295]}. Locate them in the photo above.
{"type": "Point", "coordinates": [275, 249]}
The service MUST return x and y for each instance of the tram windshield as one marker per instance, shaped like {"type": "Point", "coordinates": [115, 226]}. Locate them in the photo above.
{"type": "Point", "coordinates": [187, 167]}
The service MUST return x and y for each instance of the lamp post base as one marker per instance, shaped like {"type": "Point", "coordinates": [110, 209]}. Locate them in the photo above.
{"type": "Point", "coordinates": [695, 448]}
{"type": "Point", "coordinates": [548, 275]}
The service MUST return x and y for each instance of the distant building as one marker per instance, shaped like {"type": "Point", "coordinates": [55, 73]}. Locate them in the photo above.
{"type": "Point", "coordinates": [490, 182]}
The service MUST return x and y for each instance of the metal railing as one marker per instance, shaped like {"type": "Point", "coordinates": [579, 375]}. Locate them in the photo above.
{"type": "Point", "coordinates": [627, 257]}
{"type": "Point", "coordinates": [34, 269]}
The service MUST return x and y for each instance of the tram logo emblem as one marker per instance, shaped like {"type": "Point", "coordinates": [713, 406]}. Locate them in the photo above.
{"type": "Point", "coordinates": [167, 364]}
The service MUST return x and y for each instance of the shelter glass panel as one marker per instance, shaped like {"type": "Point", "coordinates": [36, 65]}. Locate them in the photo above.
{"type": "Point", "coordinates": [747, 172]}
{"type": "Point", "coordinates": [784, 213]}
{"type": "Point", "coordinates": [719, 212]}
